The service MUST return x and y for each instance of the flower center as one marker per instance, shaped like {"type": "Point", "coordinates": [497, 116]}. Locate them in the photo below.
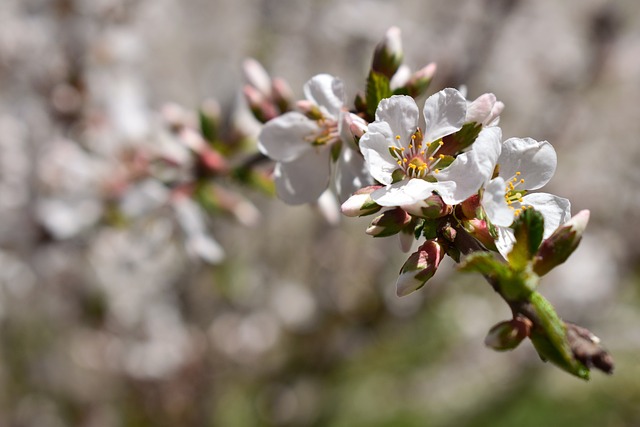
{"type": "Point", "coordinates": [513, 195]}
{"type": "Point", "coordinates": [417, 159]}
{"type": "Point", "coordinates": [327, 135]}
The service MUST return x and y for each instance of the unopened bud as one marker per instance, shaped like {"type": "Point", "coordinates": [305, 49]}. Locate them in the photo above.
{"type": "Point", "coordinates": [260, 106]}
{"type": "Point", "coordinates": [388, 54]}
{"type": "Point", "coordinates": [479, 229]}
{"type": "Point", "coordinates": [420, 80]}
{"type": "Point", "coordinates": [309, 109]}
{"type": "Point", "coordinates": [361, 203]}
{"type": "Point", "coordinates": [357, 125]}
{"type": "Point", "coordinates": [494, 117]}
{"type": "Point", "coordinates": [389, 223]}
{"type": "Point", "coordinates": [210, 119]}
{"type": "Point", "coordinates": [282, 94]}
{"type": "Point", "coordinates": [400, 78]}
{"type": "Point", "coordinates": [256, 76]}
{"type": "Point", "coordinates": [419, 268]}
{"type": "Point", "coordinates": [508, 335]}
{"type": "Point", "coordinates": [470, 207]}
{"type": "Point", "coordinates": [560, 245]}
{"type": "Point", "coordinates": [431, 208]}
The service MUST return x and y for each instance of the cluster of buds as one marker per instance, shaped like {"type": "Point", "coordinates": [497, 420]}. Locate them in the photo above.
{"type": "Point", "coordinates": [267, 97]}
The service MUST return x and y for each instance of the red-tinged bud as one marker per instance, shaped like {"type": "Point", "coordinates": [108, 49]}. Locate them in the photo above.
{"type": "Point", "coordinates": [419, 268]}
{"type": "Point", "coordinates": [508, 335]}
{"type": "Point", "coordinates": [361, 203]}
{"type": "Point", "coordinates": [213, 161]}
{"type": "Point", "coordinates": [357, 125]}
{"type": "Point", "coordinates": [560, 245]}
{"type": "Point", "coordinates": [260, 106]}
{"type": "Point", "coordinates": [309, 109]}
{"type": "Point", "coordinates": [479, 229]}
{"type": "Point", "coordinates": [388, 54]}
{"type": "Point", "coordinates": [420, 80]}
{"type": "Point", "coordinates": [471, 207]}
{"type": "Point", "coordinates": [389, 223]}
{"type": "Point", "coordinates": [257, 77]}
{"type": "Point", "coordinates": [431, 208]}
{"type": "Point", "coordinates": [282, 94]}
{"type": "Point", "coordinates": [494, 117]}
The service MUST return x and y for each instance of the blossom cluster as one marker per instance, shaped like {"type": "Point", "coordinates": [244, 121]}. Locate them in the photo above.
{"type": "Point", "coordinates": [446, 182]}
{"type": "Point", "coordinates": [411, 169]}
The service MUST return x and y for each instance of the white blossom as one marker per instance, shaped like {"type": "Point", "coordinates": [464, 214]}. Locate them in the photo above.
{"type": "Point", "coordinates": [524, 165]}
{"type": "Point", "coordinates": [406, 161]}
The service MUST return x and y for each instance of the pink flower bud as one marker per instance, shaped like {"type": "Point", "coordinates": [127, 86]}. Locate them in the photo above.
{"type": "Point", "coordinates": [361, 203]}
{"type": "Point", "coordinates": [419, 268]}
{"type": "Point", "coordinates": [260, 106]}
{"type": "Point", "coordinates": [431, 208]}
{"type": "Point", "coordinates": [388, 54]}
{"type": "Point", "coordinates": [257, 77]}
{"type": "Point", "coordinates": [389, 223]}
{"type": "Point", "coordinates": [309, 109]}
{"type": "Point", "coordinates": [509, 334]}
{"type": "Point", "coordinates": [420, 80]}
{"type": "Point", "coordinates": [479, 229]}
{"type": "Point", "coordinates": [560, 245]}
{"type": "Point", "coordinates": [282, 94]}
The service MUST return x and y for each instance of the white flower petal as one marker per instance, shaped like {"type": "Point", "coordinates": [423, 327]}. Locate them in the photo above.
{"type": "Point", "coordinates": [444, 113]}
{"type": "Point", "coordinates": [351, 174]}
{"type": "Point", "coordinates": [495, 205]}
{"type": "Point", "coordinates": [536, 161]}
{"type": "Point", "coordinates": [403, 193]}
{"type": "Point", "coordinates": [470, 170]}
{"type": "Point", "coordinates": [374, 146]}
{"type": "Point", "coordinates": [303, 180]}
{"type": "Point", "coordinates": [401, 114]}
{"type": "Point", "coordinates": [283, 138]}
{"type": "Point", "coordinates": [327, 92]}
{"type": "Point", "coordinates": [555, 210]}
{"type": "Point", "coordinates": [505, 240]}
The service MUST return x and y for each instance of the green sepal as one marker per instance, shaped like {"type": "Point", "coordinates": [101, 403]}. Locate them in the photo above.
{"type": "Point", "coordinates": [551, 342]}
{"type": "Point", "coordinates": [528, 229]}
{"type": "Point", "coordinates": [377, 89]}
{"type": "Point", "coordinates": [430, 229]}
{"type": "Point", "coordinates": [419, 228]}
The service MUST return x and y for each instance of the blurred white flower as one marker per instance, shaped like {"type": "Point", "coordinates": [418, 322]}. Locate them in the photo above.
{"type": "Point", "coordinates": [302, 144]}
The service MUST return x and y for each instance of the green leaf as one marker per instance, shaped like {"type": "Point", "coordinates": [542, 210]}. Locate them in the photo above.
{"type": "Point", "coordinates": [528, 229]}
{"type": "Point", "coordinates": [377, 90]}
{"type": "Point", "coordinates": [550, 339]}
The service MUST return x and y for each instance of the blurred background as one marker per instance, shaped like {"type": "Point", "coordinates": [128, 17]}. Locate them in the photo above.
{"type": "Point", "coordinates": [175, 317]}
